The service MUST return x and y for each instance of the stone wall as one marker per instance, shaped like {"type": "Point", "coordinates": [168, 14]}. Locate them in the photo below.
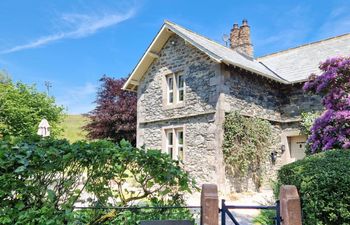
{"type": "Point", "coordinates": [196, 114]}
{"type": "Point", "coordinates": [294, 101]}
{"type": "Point", "coordinates": [258, 96]}
{"type": "Point", "coordinates": [198, 70]}
{"type": "Point", "coordinates": [251, 94]}
{"type": "Point", "coordinates": [199, 150]}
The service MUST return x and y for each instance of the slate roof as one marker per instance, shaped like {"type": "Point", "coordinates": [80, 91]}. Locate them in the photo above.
{"type": "Point", "coordinates": [222, 53]}
{"type": "Point", "coordinates": [296, 64]}
{"type": "Point", "coordinates": [290, 66]}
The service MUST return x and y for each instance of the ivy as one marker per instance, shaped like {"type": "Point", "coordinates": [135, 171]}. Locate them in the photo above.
{"type": "Point", "coordinates": [246, 146]}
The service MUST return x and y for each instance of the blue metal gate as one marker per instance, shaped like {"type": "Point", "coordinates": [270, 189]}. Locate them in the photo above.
{"type": "Point", "coordinates": [225, 210]}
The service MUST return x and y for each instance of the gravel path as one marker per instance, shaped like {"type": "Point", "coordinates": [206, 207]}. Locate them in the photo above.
{"type": "Point", "coordinates": [246, 216]}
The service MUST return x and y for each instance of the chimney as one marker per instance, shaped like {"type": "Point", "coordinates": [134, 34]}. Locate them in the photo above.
{"type": "Point", "coordinates": [234, 36]}
{"type": "Point", "coordinates": [240, 39]}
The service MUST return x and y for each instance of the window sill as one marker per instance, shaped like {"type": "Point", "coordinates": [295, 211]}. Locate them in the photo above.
{"type": "Point", "coordinates": [174, 106]}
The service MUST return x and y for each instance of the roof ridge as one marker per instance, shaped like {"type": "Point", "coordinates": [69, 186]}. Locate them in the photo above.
{"type": "Point", "coordinates": [172, 23]}
{"type": "Point", "coordinates": [302, 45]}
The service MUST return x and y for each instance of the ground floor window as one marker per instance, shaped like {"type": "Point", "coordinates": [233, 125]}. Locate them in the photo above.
{"type": "Point", "coordinates": [175, 143]}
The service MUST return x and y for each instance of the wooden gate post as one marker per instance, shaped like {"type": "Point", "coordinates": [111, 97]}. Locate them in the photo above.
{"type": "Point", "coordinates": [210, 205]}
{"type": "Point", "coordinates": [290, 205]}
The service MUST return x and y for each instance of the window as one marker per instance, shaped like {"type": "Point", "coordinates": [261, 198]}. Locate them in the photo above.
{"type": "Point", "coordinates": [170, 81]}
{"type": "Point", "coordinates": [175, 88]}
{"type": "Point", "coordinates": [175, 143]}
{"type": "Point", "coordinates": [180, 144]}
{"type": "Point", "coordinates": [170, 143]}
{"type": "Point", "coordinates": [180, 87]}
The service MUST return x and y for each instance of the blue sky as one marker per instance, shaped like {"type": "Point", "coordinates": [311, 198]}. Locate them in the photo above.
{"type": "Point", "coordinates": [73, 43]}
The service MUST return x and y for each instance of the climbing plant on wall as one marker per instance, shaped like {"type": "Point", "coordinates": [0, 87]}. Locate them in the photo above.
{"type": "Point", "coordinates": [246, 145]}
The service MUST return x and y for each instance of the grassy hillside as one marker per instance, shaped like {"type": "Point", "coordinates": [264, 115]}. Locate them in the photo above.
{"type": "Point", "coordinates": [72, 126]}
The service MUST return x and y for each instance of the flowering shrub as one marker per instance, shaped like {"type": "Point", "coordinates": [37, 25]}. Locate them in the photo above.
{"type": "Point", "coordinates": [332, 129]}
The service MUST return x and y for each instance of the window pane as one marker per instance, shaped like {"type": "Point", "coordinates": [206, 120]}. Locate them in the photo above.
{"type": "Point", "coordinates": [180, 81]}
{"type": "Point", "coordinates": [180, 136]}
{"type": "Point", "coordinates": [181, 153]}
{"type": "Point", "coordinates": [171, 97]}
{"type": "Point", "coordinates": [181, 95]}
{"type": "Point", "coordinates": [170, 138]}
{"type": "Point", "coordinates": [170, 83]}
{"type": "Point", "coordinates": [170, 152]}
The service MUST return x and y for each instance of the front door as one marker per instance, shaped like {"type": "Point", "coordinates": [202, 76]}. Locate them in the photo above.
{"type": "Point", "coordinates": [297, 147]}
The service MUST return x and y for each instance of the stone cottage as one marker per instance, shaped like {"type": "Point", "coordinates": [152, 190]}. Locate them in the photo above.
{"type": "Point", "coordinates": [186, 83]}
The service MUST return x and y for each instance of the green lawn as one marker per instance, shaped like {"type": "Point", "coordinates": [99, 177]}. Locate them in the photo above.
{"type": "Point", "coordinates": [72, 126]}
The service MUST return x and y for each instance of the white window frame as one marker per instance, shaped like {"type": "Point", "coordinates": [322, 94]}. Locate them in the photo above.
{"type": "Point", "coordinates": [175, 88]}
{"type": "Point", "coordinates": [178, 88]}
{"type": "Point", "coordinates": [178, 144]}
{"type": "Point", "coordinates": [175, 145]}
{"type": "Point", "coordinates": [170, 147]}
{"type": "Point", "coordinates": [170, 88]}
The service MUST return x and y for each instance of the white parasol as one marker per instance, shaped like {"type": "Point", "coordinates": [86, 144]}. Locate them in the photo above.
{"type": "Point", "coordinates": [44, 128]}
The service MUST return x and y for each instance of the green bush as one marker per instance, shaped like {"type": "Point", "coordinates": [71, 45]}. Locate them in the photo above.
{"type": "Point", "coordinates": [323, 181]}
{"type": "Point", "coordinates": [265, 217]}
{"type": "Point", "coordinates": [42, 179]}
{"type": "Point", "coordinates": [22, 107]}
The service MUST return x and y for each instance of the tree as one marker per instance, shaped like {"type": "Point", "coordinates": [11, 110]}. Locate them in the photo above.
{"type": "Point", "coordinates": [114, 117]}
{"type": "Point", "coordinates": [332, 129]}
{"type": "Point", "coordinates": [4, 77]}
{"type": "Point", "coordinates": [22, 108]}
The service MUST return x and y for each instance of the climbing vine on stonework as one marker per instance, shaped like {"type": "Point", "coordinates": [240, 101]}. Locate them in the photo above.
{"type": "Point", "coordinates": [246, 146]}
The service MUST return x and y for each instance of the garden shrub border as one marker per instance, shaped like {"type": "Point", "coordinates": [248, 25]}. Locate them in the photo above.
{"type": "Point", "coordinates": [323, 182]}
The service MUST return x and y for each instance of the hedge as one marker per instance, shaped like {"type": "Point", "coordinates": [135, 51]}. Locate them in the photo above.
{"type": "Point", "coordinates": [323, 182]}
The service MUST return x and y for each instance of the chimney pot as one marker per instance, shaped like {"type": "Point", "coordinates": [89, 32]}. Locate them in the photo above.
{"type": "Point", "coordinates": [240, 39]}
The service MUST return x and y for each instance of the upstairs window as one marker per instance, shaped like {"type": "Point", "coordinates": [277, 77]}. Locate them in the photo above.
{"type": "Point", "coordinates": [180, 87]}
{"type": "Point", "coordinates": [175, 88]}
{"type": "Point", "coordinates": [175, 143]}
{"type": "Point", "coordinates": [170, 81]}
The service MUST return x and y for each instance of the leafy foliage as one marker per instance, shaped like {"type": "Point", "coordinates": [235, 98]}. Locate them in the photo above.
{"type": "Point", "coordinates": [323, 182]}
{"type": "Point", "coordinates": [22, 108]}
{"type": "Point", "coordinates": [134, 216]}
{"type": "Point", "coordinates": [332, 129]}
{"type": "Point", "coordinates": [115, 114]}
{"type": "Point", "coordinates": [246, 145]}
{"type": "Point", "coordinates": [308, 119]}
{"type": "Point", "coordinates": [41, 180]}
{"type": "Point", "coordinates": [265, 217]}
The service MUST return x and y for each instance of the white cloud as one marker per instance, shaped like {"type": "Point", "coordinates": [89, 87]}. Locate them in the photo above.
{"type": "Point", "coordinates": [81, 25]}
{"type": "Point", "coordinates": [78, 99]}
{"type": "Point", "coordinates": [337, 22]}
{"type": "Point", "coordinates": [284, 32]}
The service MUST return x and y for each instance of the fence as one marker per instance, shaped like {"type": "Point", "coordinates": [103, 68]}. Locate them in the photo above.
{"type": "Point", "coordinates": [225, 210]}
{"type": "Point", "coordinates": [134, 215]}
{"type": "Point", "coordinates": [288, 211]}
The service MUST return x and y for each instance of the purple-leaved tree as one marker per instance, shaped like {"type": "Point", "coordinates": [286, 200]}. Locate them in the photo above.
{"type": "Point", "coordinates": [115, 114]}
{"type": "Point", "coordinates": [332, 129]}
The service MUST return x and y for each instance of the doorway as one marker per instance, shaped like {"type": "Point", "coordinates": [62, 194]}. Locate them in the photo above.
{"type": "Point", "coordinates": [297, 147]}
